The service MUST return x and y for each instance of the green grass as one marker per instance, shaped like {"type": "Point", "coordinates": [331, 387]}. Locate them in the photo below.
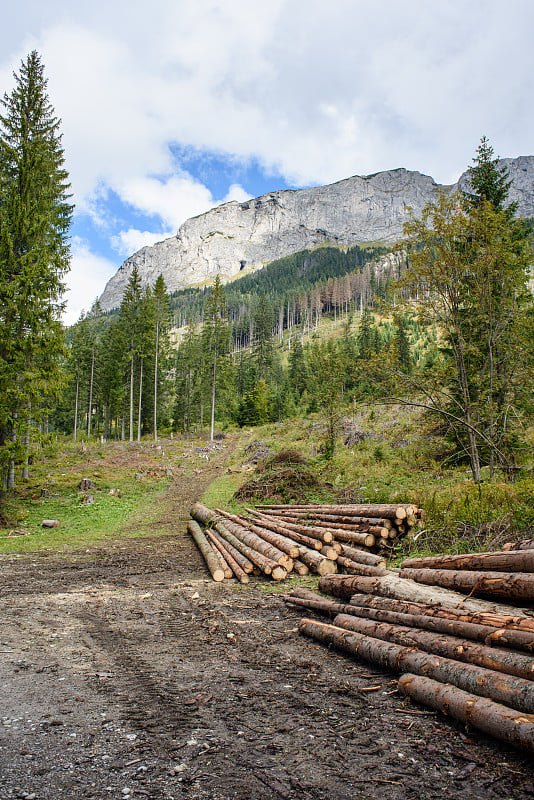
{"type": "Point", "coordinates": [109, 516]}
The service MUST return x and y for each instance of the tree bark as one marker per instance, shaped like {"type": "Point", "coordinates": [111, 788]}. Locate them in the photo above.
{"type": "Point", "coordinates": [518, 664]}
{"type": "Point", "coordinates": [492, 718]}
{"type": "Point", "coordinates": [242, 561]}
{"type": "Point", "coordinates": [514, 692]}
{"type": "Point", "coordinates": [220, 556]}
{"type": "Point", "coordinates": [362, 557]}
{"type": "Point", "coordinates": [205, 548]}
{"type": "Point", "coordinates": [508, 585]}
{"type": "Point", "coordinates": [156, 381]}
{"type": "Point", "coordinates": [281, 542]}
{"type": "Point", "coordinates": [502, 625]}
{"type": "Point", "coordinates": [505, 561]}
{"type": "Point", "coordinates": [404, 589]}
{"type": "Point", "coordinates": [235, 569]}
{"type": "Point", "coordinates": [140, 400]}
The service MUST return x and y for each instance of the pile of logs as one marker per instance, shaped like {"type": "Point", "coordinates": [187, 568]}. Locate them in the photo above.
{"type": "Point", "coordinates": [469, 658]}
{"type": "Point", "coordinates": [373, 526]}
{"type": "Point", "coordinates": [505, 574]}
{"type": "Point", "coordinates": [257, 542]}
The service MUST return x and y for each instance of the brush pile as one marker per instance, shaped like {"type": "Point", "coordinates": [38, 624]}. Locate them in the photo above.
{"type": "Point", "coordinates": [472, 659]}
{"type": "Point", "coordinates": [277, 545]}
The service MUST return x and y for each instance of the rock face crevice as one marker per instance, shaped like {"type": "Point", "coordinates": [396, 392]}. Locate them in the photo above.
{"type": "Point", "coordinates": [237, 236]}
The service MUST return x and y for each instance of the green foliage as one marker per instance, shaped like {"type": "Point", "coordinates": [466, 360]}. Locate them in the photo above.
{"type": "Point", "coordinates": [35, 218]}
{"type": "Point", "coordinates": [469, 268]}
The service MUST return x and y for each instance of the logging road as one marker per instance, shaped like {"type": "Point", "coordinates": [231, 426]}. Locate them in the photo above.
{"type": "Point", "coordinates": [126, 673]}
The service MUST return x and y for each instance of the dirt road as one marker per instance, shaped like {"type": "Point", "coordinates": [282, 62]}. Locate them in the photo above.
{"type": "Point", "coordinates": [126, 673]}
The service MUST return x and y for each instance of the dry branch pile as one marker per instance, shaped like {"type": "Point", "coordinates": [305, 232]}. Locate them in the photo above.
{"type": "Point", "coordinates": [469, 658]}
{"type": "Point", "coordinates": [277, 544]}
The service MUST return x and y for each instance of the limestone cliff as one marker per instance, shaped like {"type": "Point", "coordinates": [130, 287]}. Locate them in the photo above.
{"type": "Point", "coordinates": [240, 237]}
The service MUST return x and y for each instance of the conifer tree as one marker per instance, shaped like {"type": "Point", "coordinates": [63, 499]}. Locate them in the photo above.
{"type": "Point", "coordinates": [35, 216]}
{"type": "Point", "coordinates": [216, 337]}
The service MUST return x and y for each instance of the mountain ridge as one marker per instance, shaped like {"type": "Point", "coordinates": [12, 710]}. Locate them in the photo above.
{"type": "Point", "coordinates": [240, 237]}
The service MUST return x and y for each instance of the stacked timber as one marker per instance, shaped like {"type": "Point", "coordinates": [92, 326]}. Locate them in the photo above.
{"type": "Point", "coordinates": [470, 658]}
{"type": "Point", "coordinates": [373, 526]}
{"type": "Point", "coordinates": [240, 544]}
{"type": "Point", "coordinates": [505, 574]}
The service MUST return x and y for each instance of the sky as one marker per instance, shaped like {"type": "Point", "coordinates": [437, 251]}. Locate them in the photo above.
{"type": "Point", "coordinates": [171, 107]}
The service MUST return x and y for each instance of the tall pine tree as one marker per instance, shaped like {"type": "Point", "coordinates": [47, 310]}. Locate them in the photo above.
{"type": "Point", "coordinates": [35, 216]}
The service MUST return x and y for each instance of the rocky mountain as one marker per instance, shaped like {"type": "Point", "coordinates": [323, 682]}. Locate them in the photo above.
{"type": "Point", "coordinates": [236, 238]}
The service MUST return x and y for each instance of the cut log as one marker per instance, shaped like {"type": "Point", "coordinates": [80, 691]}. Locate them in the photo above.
{"type": "Point", "coordinates": [504, 627]}
{"type": "Point", "coordinates": [385, 510]}
{"type": "Point", "coordinates": [300, 568]}
{"type": "Point", "coordinates": [256, 542]}
{"type": "Point", "coordinates": [222, 558]}
{"type": "Point", "coordinates": [485, 634]}
{"type": "Point", "coordinates": [508, 585]}
{"type": "Point", "coordinates": [358, 524]}
{"type": "Point", "coordinates": [205, 548]}
{"type": "Point", "coordinates": [524, 544]}
{"type": "Point", "coordinates": [244, 563]}
{"type": "Point", "coordinates": [265, 564]}
{"type": "Point", "coordinates": [355, 538]}
{"type": "Point", "coordinates": [361, 556]}
{"type": "Point", "coordinates": [514, 692]}
{"type": "Point", "coordinates": [515, 561]}
{"type": "Point", "coordinates": [239, 573]}
{"type": "Point", "coordinates": [320, 604]}
{"type": "Point", "coordinates": [329, 552]}
{"type": "Point", "coordinates": [315, 532]}
{"type": "Point", "coordinates": [290, 533]}
{"type": "Point", "coordinates": [282, 542]}
{"type": "Point", "coordinates": [403, 589]}
{"type": "Point", "coordinates": [507, 661]}
{"type": "Point", "coordinates": [50, 523]}
{"type": "Point", "coordinates": [503, 723]}
{"type": "Point", "coordinates": [203, 514]}
{"type": "Point", "coordinates": [317, 562]}
{"type": "Point", "coordinates": [359, 569]}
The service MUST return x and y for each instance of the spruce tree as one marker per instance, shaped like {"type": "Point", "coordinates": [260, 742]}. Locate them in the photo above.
{"type": "Point", "coordinates": [216, 339]}
{"type": "Point", "coordinates": [35, 216]}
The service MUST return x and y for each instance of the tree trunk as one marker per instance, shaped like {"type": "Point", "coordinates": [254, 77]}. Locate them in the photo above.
{"type": "Point", "coordinates": [507, 561]}
{"type": "Point", "coordinates": [90, 409]}
{"type": "Point", "coordinates": [76, 407]}
{"type": "Point", "coordinates": [492, 718]}
{"type": "Point", "coordinates": [205, 548]}
{"type": "Point", "coordinates": [508, 585]}
{"type": "Point", "coordinates": [518, 664]}
{"type": "Point", "coordinates": [131, 395]}
{"type": "Point", "coordinates": [502, 624]}
{"type": "Point", "coordinates": [404, 589]}
{"type": "Point", "coordinates": [156, 383]}
{"type": "Point", "coordinates": [514, 692]}
{"type": "Point", "coordinates": [214, 378]}
{"type": "Point", "coordinates": [140, 399]}
{"type": "Point", "coordinates": [236, 570]}
{"type": "Point", "coordinates": [243, 562]}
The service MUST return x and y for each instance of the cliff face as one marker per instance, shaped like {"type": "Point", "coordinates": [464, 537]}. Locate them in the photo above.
{"type": "Point", "coordinates": [237, 237]}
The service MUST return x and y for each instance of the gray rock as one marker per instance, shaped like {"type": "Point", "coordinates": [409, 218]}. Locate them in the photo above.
{"type": "Point", "coordinates": [236, 238]}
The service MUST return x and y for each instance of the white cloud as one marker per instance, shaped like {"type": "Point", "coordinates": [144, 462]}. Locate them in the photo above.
{"type": "Point", "coordinates": [317, 91]}
{"type": "Point", "coordinates": [87, 277]}
{"type": "Point", "coordinates": [173, 200]}
{"type": "Point", "coordinates": [132, 240]}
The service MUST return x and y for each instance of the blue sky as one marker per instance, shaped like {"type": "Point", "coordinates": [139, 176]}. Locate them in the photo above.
{"type": "Point", "coordinates": [172, 107]}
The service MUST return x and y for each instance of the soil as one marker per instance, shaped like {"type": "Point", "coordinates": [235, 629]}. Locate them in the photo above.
{"type": "Point", "coordinates": [127, 673]}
